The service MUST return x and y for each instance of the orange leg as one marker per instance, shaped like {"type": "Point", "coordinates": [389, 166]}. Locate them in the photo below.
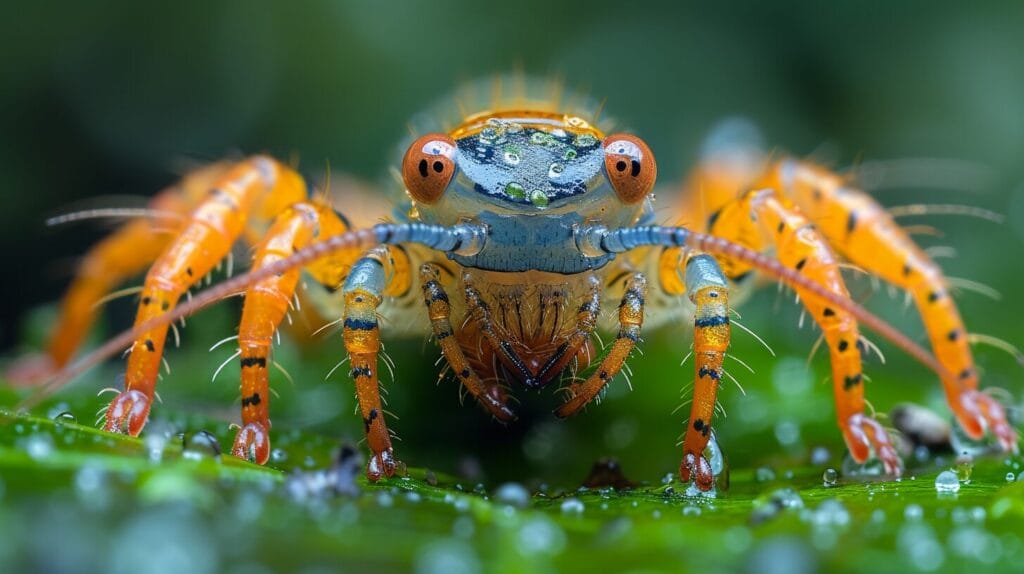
{"type": "Point", "coordinates": [860, 229]}
{"type": "Point", "coordinates": [266, 303]}
{"type": "Point", "coordinates": [631, 318]}
{"type": "Point", "coordinates": [374, 275]}
{"type": "Point", "coordinates": [491, 397]}
{"type": "Point", "coordinates": [762, 218]}
{"type": "Point", "coordinates": [123, 254]}
{"type": "Point", "coordinates": [205, 239]}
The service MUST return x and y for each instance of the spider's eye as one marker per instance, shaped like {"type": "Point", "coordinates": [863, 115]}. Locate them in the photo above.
{"type": "Point", "coordinates": [630, 166]}
{"type": "Point", "coordinates": [428, 167]}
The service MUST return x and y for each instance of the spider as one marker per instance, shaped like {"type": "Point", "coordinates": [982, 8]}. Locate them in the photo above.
{"type": "Point", "coordinates": [522, 229]}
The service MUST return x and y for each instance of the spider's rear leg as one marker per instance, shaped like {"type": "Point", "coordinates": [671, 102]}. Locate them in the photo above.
{"type": "Point", "coordinates": [631, 318]}
{"type": "Point", "coordinates": [123, 254]}
{"type": "Point", "coordinates": [859, 228]}
{"type": "Point", "coordinates": [205, 239]}
{"type": "Point", "coordinates": [266, 303]}
{"type": "Point", "coordinates": [491, 397]}
{"type": "Point", "coordinates": [760, 218]}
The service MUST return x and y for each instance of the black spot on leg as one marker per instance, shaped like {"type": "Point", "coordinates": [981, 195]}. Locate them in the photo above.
{"type": "Point", "coordinates": [851, 222]}
{"type": "Point", "coordinates": [370, 418]}
{"type": "Point", "coordinates": [852, 381]}
{"type": "Point", "coordinates": [933, 296]}
{"type": "Point", "coordinates": [260, 362]}
{"type": "Point", "coordinates": [828, 312]}
{"type": "Point", "coordinates": [165, 305]}
{"type": "Point", "coordinates": [843, 345]}
{"type": "Point", "coordinates": [464, 374]}
{"type": "Point", "coordinates": [253, 400]}
{"type": "Point", "coordinates": [800, 264]}
{"type": "Point", "coordinates": [907, 269]}
{"type": "Point", "coordinates": [189, 272]}
{"type": "Point", "coordinates": [965, 374]}
{"type": "Point", "coordinates": [147, 300]}
{"type": "Point", "coordinates": [713, 218]}
{"type": "Point", "coordinates": [149, 345]}
{"type": "Point", "coordinates": [700, 426]}
{"type": "Point", "coordinates": [781, 227]}
{"type": "Point", "coordinates": [953, 335]}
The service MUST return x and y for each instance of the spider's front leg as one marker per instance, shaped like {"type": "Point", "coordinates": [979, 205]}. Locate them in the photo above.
{"type": "Point", "coordinates": [707, 288]}
{"type": "Point", "coordinates": [376, 274]}
{"type": "Point", "coordinates": [631, 319]}
{"type": "Point", "coordinates": [257, 186]}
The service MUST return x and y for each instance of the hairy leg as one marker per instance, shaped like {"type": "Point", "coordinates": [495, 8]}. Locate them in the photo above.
{"type": "Point", "coordinates": [859, 228]}
{"type": "Point", "coordinates": [205, 239]}
{"type": "Point", "coordinates": [491, 397]}
{"type": "Point", "coordinates": [631, 318]}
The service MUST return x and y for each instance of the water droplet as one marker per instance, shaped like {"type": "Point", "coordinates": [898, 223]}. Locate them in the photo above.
{"type": "Point", "coordinates": [820, 455]}
{"type": "Point", "coordinates": [964, 468]}
{"type": "Point", "coordinates": [570, 154]}
{"type": "Point", "coordinates": [38, 446]}
{"type": "Point", "coordinates": [831, 512]}
{"type": "Point", "coordinates": [200, 445]}
{"type": "Point", "coordinates": [539, 138]}
{"type": "Point", "coordinates": [829, 477]}
{"type": "Point", "coordinates": [515, 191]}
{"type": "Point", "coordinates": [64, 417]}
{"type": "Point", "coordinates": [947, 482]}
{"type": "Point", "coordinates": [447, 556]}
{"type": "Point", "coordinates": [555, 170]}
{"type": "Point", "coordinates": [539, 198]}
{"type": "Point", "coordinates": [584, 140]}
{"type": "Point", "coordinates": [511, 157]}
{"type": "Point", "coordinates": [764, 474]}
{"type": "Point", "coordinates": [913, 512]}
{"type": "Point", "coordinates": [572, 505]}
{"type": "Point", "coordinates": [787, 432]}
{"type": "Point", "coordinates": [540, 536]}
{"type": "Point", "coordinates": [1010, 477]}
{"type": "Point", "coordinates": [691, 511]}
{"type": "Point", "coordinates": [512, 494]}
{"type": "Point", "coordinates": [488, 134]}
{"type": "Point", "coordinates": [278, 455]}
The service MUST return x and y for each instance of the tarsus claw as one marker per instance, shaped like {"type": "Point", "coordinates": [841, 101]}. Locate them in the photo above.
{"type": "Point", "coordinates": [698, 467]}
{"type": "Point", "coordinates": [978, 411]}
{"type": "Point", "coordinates": [252, 443]}
{"type": "Point", "coordinates": [127, 413]}
{"type": "Point", "coordinates": [381, 464]}
{"type": "Point", "coordinates": [862, 433]}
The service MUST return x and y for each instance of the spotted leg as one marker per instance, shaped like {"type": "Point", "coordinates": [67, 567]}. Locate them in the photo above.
{"type": "Point", "coordinates": [371, 278]}
{"type": "Point", "coordinates": [760, 219]}
{"type": "Point", "coordinates": [266, 303]}
{"type": "Point", "coordinates": [121, 255]}
{"type": "Point", "coordinates": [205, 238]}
{"type": "Point", "coordinates": [859, 228]}
{"type": "Point", "coordinates": [708, 290]}
{"type": "Point", "coordinates": [631, 318]}
{"type": "Point", "coordinates": [490, 396]}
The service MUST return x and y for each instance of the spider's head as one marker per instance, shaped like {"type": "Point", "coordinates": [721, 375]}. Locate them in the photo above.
{"type": "Point", "coordinates": [528, 164]}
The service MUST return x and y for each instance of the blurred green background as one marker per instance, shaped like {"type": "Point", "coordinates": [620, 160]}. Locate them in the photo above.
{"type": "Point", "coordinates": [111, 98]}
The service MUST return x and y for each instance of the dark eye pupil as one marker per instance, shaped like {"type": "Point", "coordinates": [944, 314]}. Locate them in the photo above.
{"type": "Point", "coordinates": [438, 166]}
{"type": "Point", "coordinates": [636, 168]}
{"type": "Point", "coordinates": [423, 167]}
{"type": "Point", "coordinates": [621, 165]}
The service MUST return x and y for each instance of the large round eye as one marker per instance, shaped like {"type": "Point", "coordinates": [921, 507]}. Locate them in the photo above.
{"type": "Point", "coordinates": [630, 166]}
{"type": "Point", "coordinates": [428, 167]}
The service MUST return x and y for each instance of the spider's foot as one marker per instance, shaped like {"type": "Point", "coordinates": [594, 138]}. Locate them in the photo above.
{"type": "Point", "coordinates": [697, 467]}
{"type": "Point", "coordinates": [864, 434]}
{"type": "Point", "coordinates": [127, 413]}
{"type": "Point", "coordinates": [382, 465]}
{"type": "Point", "coordinates": [495, 402]}
{"type": "Point", "coordinates": [978, 411]}
{"type": "Point", "coordinates": [252, 443]}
